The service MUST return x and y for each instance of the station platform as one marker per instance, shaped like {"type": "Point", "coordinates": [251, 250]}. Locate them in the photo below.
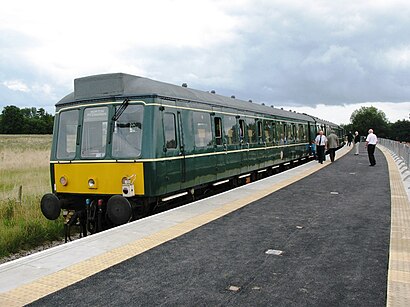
{"type": "Point", "coordinates": [332, 234]}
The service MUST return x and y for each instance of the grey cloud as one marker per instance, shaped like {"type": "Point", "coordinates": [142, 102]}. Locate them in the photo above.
{"type": "Point", "coordinates": [329, 52]}
{"type": "Point", "coordinates": [305, 60]}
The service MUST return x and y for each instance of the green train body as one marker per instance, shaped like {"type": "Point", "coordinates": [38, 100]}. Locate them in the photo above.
{"type": "Point", "coordinates": [123, 144]}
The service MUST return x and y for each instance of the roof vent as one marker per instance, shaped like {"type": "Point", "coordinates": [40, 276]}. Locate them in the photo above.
{"type": "Point", "coordinates": [233, 96]}
{"type": "Point", "coordinates": [213, 92]}
{"type": "Point", "coordinates": [184, 85]}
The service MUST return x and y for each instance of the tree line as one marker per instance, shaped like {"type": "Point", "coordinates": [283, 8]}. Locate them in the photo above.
{"type": "Point", "coordinates": [14, 120]}
{"type": "Point", "coordinates": [365, 118]}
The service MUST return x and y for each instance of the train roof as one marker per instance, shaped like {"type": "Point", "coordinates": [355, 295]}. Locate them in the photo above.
{"type": "Point", "coordinates": [120, 85]}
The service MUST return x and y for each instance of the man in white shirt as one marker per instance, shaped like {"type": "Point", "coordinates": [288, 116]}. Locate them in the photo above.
{"type": "Point", "coordinates": [371, 142]}
{"type": "Point", "coordinates": [321, 142]}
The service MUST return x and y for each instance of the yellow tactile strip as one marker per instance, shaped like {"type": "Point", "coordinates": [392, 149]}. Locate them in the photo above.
{"type": "Point", "coordinates": [72, 274]}
{"type": "Point", "coordinates": [398, 281]}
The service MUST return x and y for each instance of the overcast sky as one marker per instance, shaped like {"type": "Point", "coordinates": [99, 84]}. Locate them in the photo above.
{"type": "Point", "coordinates": [326, 58]}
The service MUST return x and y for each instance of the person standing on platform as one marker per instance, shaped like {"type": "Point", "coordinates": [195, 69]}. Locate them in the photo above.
{"type": "Point", "coordinates": [356, 143]}
{"type": "Point", "coordinates": [349, 138]}
{"type": "Point", "coordinates": [371, 142]}
{"type": "Point", "coordinates": [332, 144]}
{"type": "Point", "coordinates": [321, 142]}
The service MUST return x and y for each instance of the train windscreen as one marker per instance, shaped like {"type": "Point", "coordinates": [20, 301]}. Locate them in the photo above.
{"type": "Point", "coordinates": [94, 133]}
{"type": "Point", "coordinates": [67, 134]}
{"type": "Point", "coordinates": [126, 138]}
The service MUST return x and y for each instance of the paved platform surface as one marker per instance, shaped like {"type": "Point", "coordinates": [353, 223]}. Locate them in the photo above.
{"type": "Point", "coordinates": [315, 235]}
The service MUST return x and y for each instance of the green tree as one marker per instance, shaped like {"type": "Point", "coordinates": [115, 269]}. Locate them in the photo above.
{"type": "Point", "coordinates": [25, 121]}
{"type": "Point", "coordinates": [347, 128]}
{"type": "Point", "coordinates": [12, 120]}
{"type": "Point", "coordinates": [370, 117]}
{"type": "Point", "coordinates": [400, 131]}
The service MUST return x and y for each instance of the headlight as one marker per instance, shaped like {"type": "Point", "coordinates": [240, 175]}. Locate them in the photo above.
{"type": "Point", "coordinates": [63, 180]}
{"type": "Point", "coordinates": [91, 183]}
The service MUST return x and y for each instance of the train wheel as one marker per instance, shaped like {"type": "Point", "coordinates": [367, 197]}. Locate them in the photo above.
{"type": "Point", "coordinates": [140, 210]}
{"type": "Point", "coordinates": [234, 182]}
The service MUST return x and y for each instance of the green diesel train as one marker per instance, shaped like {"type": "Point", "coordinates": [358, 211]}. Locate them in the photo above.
{"type": "Point", "coordinates": [123, 144]}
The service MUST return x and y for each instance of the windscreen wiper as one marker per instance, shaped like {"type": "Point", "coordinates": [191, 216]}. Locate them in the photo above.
{"type": "Point", "coordinates": [120, 110]}
{"type": "Point", "coordinates": [116, 116]}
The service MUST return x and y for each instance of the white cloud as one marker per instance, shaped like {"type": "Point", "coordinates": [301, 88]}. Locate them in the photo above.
{"type": "Point", "coordinates": [16, 85]}
{"type": "Point", "coordinates": [340, 114]}
{"type": "Point", "coordinates": [399, 57]}
{"type": "Point", "coordinates": [91, 36]}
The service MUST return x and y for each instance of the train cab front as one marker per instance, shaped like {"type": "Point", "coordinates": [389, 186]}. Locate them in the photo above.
{"type": "Point", "coordinates": [94, 163]}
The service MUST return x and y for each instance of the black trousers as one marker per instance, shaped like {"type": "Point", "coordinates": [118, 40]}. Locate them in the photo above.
{"type": "Point", "coordinates": [332, 154]}
{"type": "Point", "coordinates": [320, 153]}
{"type": "Point", "coordinates": [370, 152]}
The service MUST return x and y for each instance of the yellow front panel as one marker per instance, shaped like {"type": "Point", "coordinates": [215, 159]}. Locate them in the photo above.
{"type": "Point", "coordinates": [107, 176]}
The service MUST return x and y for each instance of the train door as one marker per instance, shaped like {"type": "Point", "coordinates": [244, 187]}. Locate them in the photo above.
{"type": "Point", "coordinates": [253, 153]}
{"type": "Point", "coordinates": [205, 163]}
{"type": "Point", "coordinates": [181, 147]}
{"type": "Point", "coordinates": [244, 145]}
{"type": "Point", "coordinates": [220, 147]}
{"type": "Point", "coordinates": [311, 132]}
{"type": "Point", "coordinates": [261, 142]}
{"type": "Point", "coordinates": [231, 141]}
{"type": "Point", "coordinates": [268, 139]}
{"type": "Point", "coordinates": [172, 152]}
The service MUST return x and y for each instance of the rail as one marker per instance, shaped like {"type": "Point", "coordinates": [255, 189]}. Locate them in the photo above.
{"type": "Point", "coordinates": [400, 150]}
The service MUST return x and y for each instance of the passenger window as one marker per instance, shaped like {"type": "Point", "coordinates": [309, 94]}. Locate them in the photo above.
{"type": "Point", "coordinates": [218, 130]}
{"type": "Point", "coordinates": [301, 133]}
{"type": "Point", "coordinates": [292, 133]}
{"type": "Point", "coordinates": [268, 131]}
{"type": "Point", "coordinates": [231, 135]}
{"type": "Point", "coordinates": [259, 124]}
{"type": "Point", "coordinates": [251, 126]}
{"type": "Point", "coordinates": [170, 131]}
{"type": "Point", "coordinates": [242, 130]}
{"type": "Point", "coordinates": [284, 135]}
{"type": "Point", "coordinates": [202, 129]}
{"type": "Point", "coordinates": [274, 133]}
{"type": "Point", "coordinates": [279, 136]}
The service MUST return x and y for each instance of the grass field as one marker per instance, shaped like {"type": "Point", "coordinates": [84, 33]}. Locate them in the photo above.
{"type": "Point", "coordinates": [24, 178]}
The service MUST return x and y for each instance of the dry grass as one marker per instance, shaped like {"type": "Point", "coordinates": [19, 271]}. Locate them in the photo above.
{"type": "Point", "coordinates": [24, 161]}
{"type": "Point", "coordinates": [24, 166]}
